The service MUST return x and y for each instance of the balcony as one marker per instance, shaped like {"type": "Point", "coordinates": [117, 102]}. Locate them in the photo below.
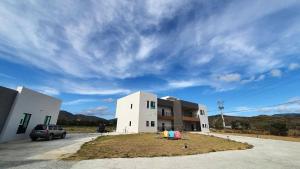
{"type": "Point", "coordinates": [160, 117]}
{"type": "Point", "coordinates": [189, 118]}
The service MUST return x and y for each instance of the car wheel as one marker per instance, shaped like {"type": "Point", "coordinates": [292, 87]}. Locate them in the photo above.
{"type": "Point", "coordinates": [33, 138]}
{"type": "Point", "coordinates": [50, 137]}
{"type": "Point", "coordinates": [63, 136]}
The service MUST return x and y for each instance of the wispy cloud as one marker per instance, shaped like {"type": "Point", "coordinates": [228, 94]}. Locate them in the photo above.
{"type": "Point", "coordinates": [79, 101]}
{"type": "Point", "coordinates": [6, 76]}
{"type": "Point", "coordinates": [108, 41]}
{"type": "Point", "coordinates": [276, 73]}
{"type": "Point", "coordinates": [47, 90]}
{"type": "Point", "coordinates": [108, 100]}
{"type": "Point", "coordinates": [291, 106]}
{"type": "Point", "coordinates": [294, 66]}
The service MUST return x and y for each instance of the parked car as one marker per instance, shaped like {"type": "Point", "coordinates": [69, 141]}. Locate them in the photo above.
{"type": "Point", "coordinates": [47, 132]}
{"type": "Point", "coordinates": [101, 128]}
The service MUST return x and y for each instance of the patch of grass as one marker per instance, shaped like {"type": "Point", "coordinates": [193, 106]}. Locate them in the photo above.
{"type": "Point", "coordinates": [85, 129]}
{"type": "Point", "coordinates": [80, 129]}
{"type": "Point", "coordinates": [149, 145]}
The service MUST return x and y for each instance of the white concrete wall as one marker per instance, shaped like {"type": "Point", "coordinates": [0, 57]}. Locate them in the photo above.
{"type": "Point", "coordinates": [147, 114]}
{"type": "Point", "coordinates": [203, 118]}
{"type": "Point", "coordinates": [125, 114]}
{"type": "Point", "coordinates": [29, 101]}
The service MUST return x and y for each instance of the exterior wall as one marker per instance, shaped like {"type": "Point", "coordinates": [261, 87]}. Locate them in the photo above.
{"type": "Point", "coordinates": [147, 114]}
{"type": "Point", "coordinates": [178, 122]}
{"type": "Point", "coordinates": [203, 119]}
{"type": "Point", "coordinates": [125, 114]}
{"type": "Point", "coordinates": [28, 101]}
{"type": "Point", "coordinates": [7, 98]}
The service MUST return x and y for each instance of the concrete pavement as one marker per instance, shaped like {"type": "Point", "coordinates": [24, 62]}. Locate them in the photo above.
{"type": "Point", "coordinates": [266, 154]}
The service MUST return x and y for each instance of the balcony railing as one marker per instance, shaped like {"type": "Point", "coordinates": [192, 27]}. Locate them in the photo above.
{"type": "Point", "coordinates": [187, 118]}
{"type": "Point", "coordinates": [165, 117]}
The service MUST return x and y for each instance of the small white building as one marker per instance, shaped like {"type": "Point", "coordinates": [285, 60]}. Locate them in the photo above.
{"type": "Point", "coordinates": [22, 109]}
{"type": "Point", "coordinates": [144, 112]}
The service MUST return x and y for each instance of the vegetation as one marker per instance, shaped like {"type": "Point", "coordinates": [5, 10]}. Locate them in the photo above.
{"type": "Point", "coordinates": [280, 124]}
{"type": "Point", "coordinates": [85, 129]}
{"type": "Point", "coordinates": [68, 119]}
{"type": "Point", "coordinates": [152, 145]}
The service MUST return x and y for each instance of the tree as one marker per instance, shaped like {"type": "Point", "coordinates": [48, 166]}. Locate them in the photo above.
{"type": "Point", "coordinates": [278, 128]}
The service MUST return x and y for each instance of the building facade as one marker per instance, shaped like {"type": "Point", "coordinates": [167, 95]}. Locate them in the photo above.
{"type": "Point", "coordinates": [144, 112]}
{"type": "Point", "coordinates": [22, 109]}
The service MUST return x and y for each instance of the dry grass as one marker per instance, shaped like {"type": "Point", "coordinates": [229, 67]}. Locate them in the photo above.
{"type": "Point", "coordinates": [84, 129]}
{"type": "Point", "coordinates": [80, 129]}
{"type": "Point", "coordinates": [152, 145]}
{"type": "Point", "coordinates": [284, 138]}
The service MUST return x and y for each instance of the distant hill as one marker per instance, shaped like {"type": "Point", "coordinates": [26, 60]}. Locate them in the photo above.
{"type": "Point", "coordinates": [261, 122]}
{"type": "Point", "coordinates": [67, 118]}
{"type": "Point", "coordinates": [287, 115]}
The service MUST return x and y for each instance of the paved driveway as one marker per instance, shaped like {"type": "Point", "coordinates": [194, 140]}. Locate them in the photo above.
{"type": "Point", "coordinates": [267, 154]}
{"type": "Point", "coordinates": [26, 152]}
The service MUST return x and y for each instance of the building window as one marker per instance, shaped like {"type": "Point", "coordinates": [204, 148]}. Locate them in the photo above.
{"type": "Point", "coordinates": [24, 123]}
{"type": "Point", "coordinates": [147, 104]}
{"type": "Point", "coordinates": [152, 105]}
{"type": "Point", "coordinates": [131, 106]}
{"type": "Point", "coordinates": [47, 120]}
{"type": "Point", "coordinates": [202, 112]}
{"type": "Point", "coordinates": [163, 112]}
{"type": "Point", "coordinates": [203, 125]}
{"type": "Point", "coordinates": [129, 123]}
{"type": "Point", "coordinates": [147, 123]}
{"type": "Point", "coordinates": [152, 123]}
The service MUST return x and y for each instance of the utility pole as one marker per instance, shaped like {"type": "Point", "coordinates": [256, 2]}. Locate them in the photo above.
{"type": "Point", "coordinates": [221, 108]}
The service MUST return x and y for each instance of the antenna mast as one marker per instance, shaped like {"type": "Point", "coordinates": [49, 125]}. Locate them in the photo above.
{"type": "Point", "coordinates": [221, 108]}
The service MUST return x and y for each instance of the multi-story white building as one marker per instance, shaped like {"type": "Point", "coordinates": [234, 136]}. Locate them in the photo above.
{"type": "Point", "coordinates": [22, 109]}
{"type": "Point", "coordinates": [144, 112]}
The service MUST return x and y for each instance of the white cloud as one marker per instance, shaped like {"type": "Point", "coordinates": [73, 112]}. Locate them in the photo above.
{"type": "Point", "coordinates": [109, 40]}
{"type": "Point", "coordinates": [79, 101]}
{"type": "Point", "coordinates": [276, 73]}
{"type": "Point", "coordinates": [88, 88]}
{"type": "Point", "coordinates": [47, 90]}
{"type": "Point", "coordinates": [108, 100]}
{"type": "Point", "coordinates": [261, 77]}
{"type": "Point", "coordinates": [294, 66]}
{"type": "Point", "coordinates": [291, 106]}
{"type": "Point", "coordinates": [6, 76]}
{"type": "Point", "coordinates": [233, 77]}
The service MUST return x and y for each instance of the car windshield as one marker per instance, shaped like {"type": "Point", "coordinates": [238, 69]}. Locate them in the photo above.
{"type": "Point", "coordinates": [40, 127]}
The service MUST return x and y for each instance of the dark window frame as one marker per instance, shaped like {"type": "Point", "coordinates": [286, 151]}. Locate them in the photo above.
{"type": "Point", "coordinates": [152, 105]}
{"type": "Point", "coordinates": [24, 122]}
{"type": "Point", "coordinates": [152, 123]}
{"type": "Point", "coordinates": [47, 120]}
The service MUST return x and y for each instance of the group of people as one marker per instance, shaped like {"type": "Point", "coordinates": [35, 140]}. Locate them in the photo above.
{"type": "Point", "coordinates": [173, 135]}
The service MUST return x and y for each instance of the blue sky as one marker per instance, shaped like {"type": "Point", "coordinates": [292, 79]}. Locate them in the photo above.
{"type": "Point", "coordinates": [89, 53]}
